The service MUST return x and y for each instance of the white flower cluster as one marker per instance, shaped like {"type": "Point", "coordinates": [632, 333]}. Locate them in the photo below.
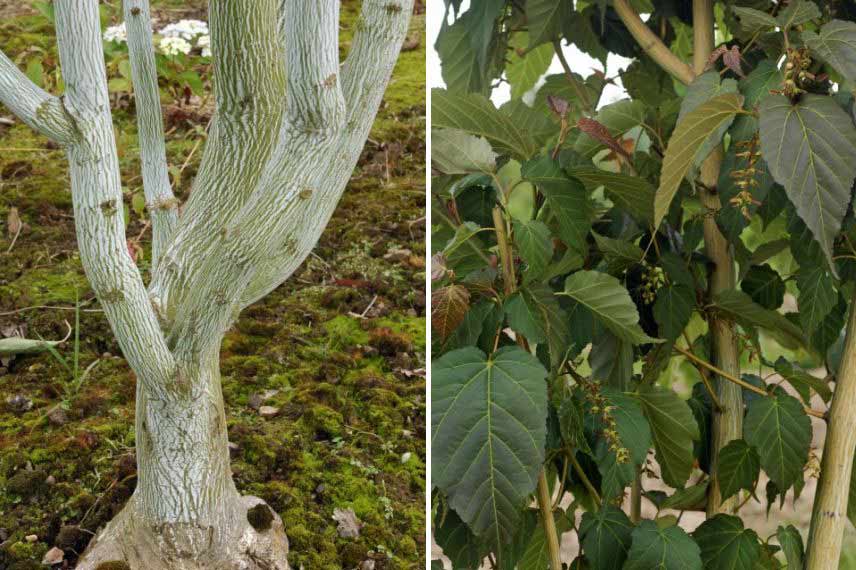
{"type": "Point", "coordinates": [176, 38]}
{"type": "Point", "coordinates": [187, 29]}
{"type": "Point", "coordinates": [116, 34]}
{"type": "Point", "coordinates": [174, 45]}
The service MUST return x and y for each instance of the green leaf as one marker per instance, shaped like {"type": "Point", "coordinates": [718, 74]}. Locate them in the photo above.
{"type": "Point", "coordinates": [738, 468]}
{"type": "Point", "coordinates": [633, 194]}
{"type": "Point", "coordinates": [459, 62]}
{"type": "Point", "coordinates": [630, 423]}
{"type": "Point", "coordinates": [609, 302]}
{"type": "Point", "coordinates": [614, 475]}
{"type": "Point", "coordinates": [536, 555]}
{"type": "Point", "coordinates": [611, 360]}
{"type": "Point", "coordinates": [534, 312]}
{"type": "Point", "coordinates": [459, 543]}
{"type": "Point", "coordinates": [808, 148]}
{"type": "Point", "coordinates": [689, 136]}
{"type": "Point", "coordinates": [836, 45]}
{"type": "Point", "coordinates": [764, 286]}
{"type": "Point", "coordinates": [567, 199]}
{"type": "Point", "coordinates": [752, 20]}
{"type": "Point", "coordinates": [525, 68]}
{"type": "Point", "coordinates": [780, 430]}
{"type": "Point", "coordinates": [797, 12]}
{"type": "Point", "coordinates": [704, 88]}
{"type": "Point", "coordinates": [606, 537]}
{"type": "Point", "coordinates": [455, 152]}
{"type": "Point", "coordinates": [488, 432]}
{"type": "Point", "coordinates": [668, 548]}
{"type": "Point", "coordinates": [726, 544]}
{"type": "Point", "coordinates": [535, 246]}
{"type": "Point", "coordinates": [619, 254]}
{"type": "Point", "coordinates": [480, 20]}
{"type": "Point", "coordinates": [473, 326]}
{"type": "Point", "coordinates": [817, 296]}
{"type": "Point", "coordinates": [674, 429]}
{"type": "Point", "coordinates": [544, 18]}
{"type": "Point", "coordinates": [571, 425]}
{"type": "Point", "coordinates": [673, 309]}
{"type": "Point", "coordinates": [690, 498]}
{"type": "Point", "coordinates": [792, 545]}
{"type": "Point", "coordinates": [476, 115]}
{"type": "Point", "coordinates": [740, 307]}
{"type": "Point", "coordinates": [802, 381]}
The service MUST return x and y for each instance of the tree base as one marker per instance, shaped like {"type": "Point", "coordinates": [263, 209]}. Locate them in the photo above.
{"type": "Point", "coordinates": [250, 536]}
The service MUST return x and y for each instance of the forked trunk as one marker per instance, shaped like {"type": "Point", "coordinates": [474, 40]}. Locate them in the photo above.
{"type": "Point", "coordinates": [186, 513]}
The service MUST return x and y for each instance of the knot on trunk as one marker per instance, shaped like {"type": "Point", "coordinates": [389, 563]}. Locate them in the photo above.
{"type": "Point", "coordinates": [260, 517]}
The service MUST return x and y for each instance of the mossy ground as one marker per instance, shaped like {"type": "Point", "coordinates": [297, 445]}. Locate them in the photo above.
{"type": "Point", "coordinates": [338, 342]}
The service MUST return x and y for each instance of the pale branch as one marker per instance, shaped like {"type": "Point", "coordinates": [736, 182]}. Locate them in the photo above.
{"type": "Point", "coordinates": [162, 205]}
{"type": "Point", "coordinates": [364, 76]}
{"type": "Point", "coordinates": [97, 198]}
{"type": "Point", "coordinates": [651, 44]}
{"type": "Point", "coordinates": [37, 108]}
{"type": "Point", "coordinates": [314, 97]}
{"type": "Point", "coordinates": [249, 88]}
{"type": "Point", "coordinates": [299, 190]}
{"type": "Point", "coordinates": [829, 514]}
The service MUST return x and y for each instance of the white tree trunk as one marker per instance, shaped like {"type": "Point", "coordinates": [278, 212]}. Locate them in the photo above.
{"type": "Point", "coordinates": [275, 166]}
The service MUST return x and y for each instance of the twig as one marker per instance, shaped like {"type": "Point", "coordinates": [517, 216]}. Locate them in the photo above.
{"type": "Point", "coordinates": [723, 374]}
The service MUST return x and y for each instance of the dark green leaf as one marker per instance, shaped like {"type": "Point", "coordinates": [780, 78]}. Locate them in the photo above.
{"type": "Point", "coordinates": [611, 360]}
{"type": "Point", "coordinates": [817, 296]}
{"type": "Point", "coordinates": [797, 12]}
{"type": "Point", "coordinates": [792, 545]}
{"type": "Point", "coordinates": [535, 313]}
{"type": "Point", "coordinates": [740, 307]}
{"type": "Point", "coordinates": [567, 199]}
{"type": "Point", "coordinates": [780, 430]}
{"type": "Point", "coordinates": [802, 381]}
{"type": "Point", "coordinates": [459, 543]}
{"type": "Point", "coordinates": [690, 498]}
{"type": "Point", "coordinates": [633, 194]}
{"type": "Point", "coordinates": [673, 428]}
{"type": "Point", "coordinates": [738, 468]}
{"type": "Point", "coordinates": [536, 248]}
{"type": "Point", "coordinates": [545, 18]}
{"type": "Point", "coordinates": [668, 548]}
{"type": "Point", "coordinates": [673, 309]}
{"type": "Point", "coordinates": [488, 433]}
{"type": "Point", "coordinates": [606, 537]}
{"type": "Point", "coordinates": [807, 147]}
{"type": "Point", "coordinates": [609, 302]}
{"type": "Point", "coordinates": [836, 45]}
{"type": "Point", "coordinates": [764, 286]}
{"type": "Point", "coordinates": [459, 61]}
{"type": "Point", "coordinates": [726, 544]}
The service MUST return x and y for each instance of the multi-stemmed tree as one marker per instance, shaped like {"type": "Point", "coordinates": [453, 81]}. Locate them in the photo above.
{"type": "Point", "coordinates": [289, 126]}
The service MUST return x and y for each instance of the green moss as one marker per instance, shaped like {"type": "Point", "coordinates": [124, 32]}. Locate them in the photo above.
{"type": "Point", "coordinates": [344, 332]}
{"type": "Point", "coordinates": [260, 517]}
{"type": "Point", "coordinates": [26, 483]}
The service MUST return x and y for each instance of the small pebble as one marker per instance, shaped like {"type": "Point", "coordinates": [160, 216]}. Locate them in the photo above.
{"type": "Point", "coordinates": [31, 537]}
{"type": "Point", "coordinates": [268, 411]}
{"type": "Point", "coordinates": [53, 556]}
